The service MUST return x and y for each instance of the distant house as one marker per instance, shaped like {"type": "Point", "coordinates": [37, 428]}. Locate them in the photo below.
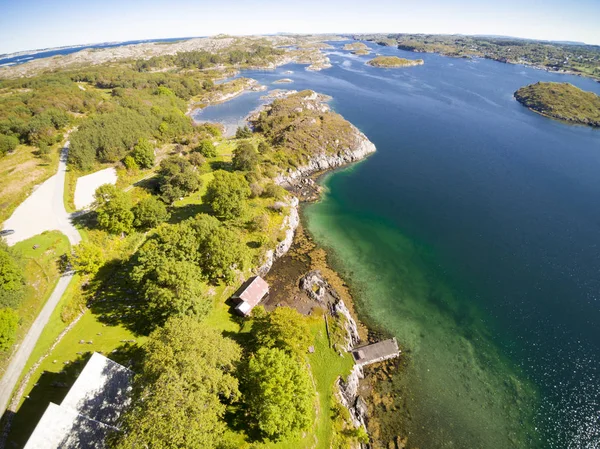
{"type": "Point", "coordinates": [90, 410]}
{"type": "Point", "coordinates": [250, 294]}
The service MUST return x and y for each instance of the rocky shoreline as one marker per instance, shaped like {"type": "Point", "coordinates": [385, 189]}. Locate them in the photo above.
{"type": "Point", "coordinates": [301, 278]}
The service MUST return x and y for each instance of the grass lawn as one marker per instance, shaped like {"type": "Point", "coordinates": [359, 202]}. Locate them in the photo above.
{"type": "Point", "coordinates": [41, 275]}
{"type": "Point", "coordinates": [20, 171]}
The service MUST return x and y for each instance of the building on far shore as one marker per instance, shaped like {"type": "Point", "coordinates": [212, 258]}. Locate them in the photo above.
{"type": "Point", "coordinates": [250, 294]}
{"type": "Point", "coordinates": [89, 411]}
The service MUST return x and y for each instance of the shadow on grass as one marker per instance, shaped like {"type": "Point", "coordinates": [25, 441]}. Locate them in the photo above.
{"type": "Point", "coordinates": [220, 165]}
{"type": "Point", "coordinates": [114, 299]}
{"type": "Point", "coordinates": [149, 184]}
{"type": "Point", "coordinates": [182, 213]}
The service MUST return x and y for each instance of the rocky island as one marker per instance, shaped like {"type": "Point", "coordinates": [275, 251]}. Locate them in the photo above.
{"type": "Point", "coordinates": [357, 48]}
{"type": "Point", "coordinates": [393, 62]}
{"type": "Point", "coordinates": [561, 101]}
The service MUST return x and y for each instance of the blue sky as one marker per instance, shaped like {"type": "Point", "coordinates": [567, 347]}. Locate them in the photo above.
{"type": "Point", "coordinates": [28, 24]}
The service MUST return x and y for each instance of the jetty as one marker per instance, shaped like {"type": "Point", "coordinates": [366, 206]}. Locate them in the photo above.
{"type": "Point", "coordinates": [376, 352]}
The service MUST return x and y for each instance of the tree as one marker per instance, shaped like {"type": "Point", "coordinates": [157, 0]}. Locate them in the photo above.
{"type": "Point", "coordinates": [284, 328]}
{"type": "Point", "coordinates": [196, 159]}
{"type": "Point", "coordinates": [7, 144]}
{"type": "Point", "coordinates": [143, 153]}
{"type": "Point", "coordinates": [245, 157]}
{"type": "Point", "coordinates": [178, 177]}
{"type": "Point", "coordinates": [280, 395]}
{"type": "Point", "coordinates": [11, 278]}
{"type": "Point", "coordinates": [175, 288]}
{"type": "Point", "coordinates": [113, 209]}
{"type": "Point", "coordinates": [149, 213]}
{"type": "Point", "coordinates": [181, 390]}
{"type": "Point", "coordinates": [263, 147]}
{"type": "Point", "coordinates": [227, 193]}
{"type": "Point", "coordinates": [206, 148]}
{"type": "Point", "coordinates": [9, 321]}
{"type": "Point", "coordinates": [86, 258]}
{"type": "Point", "coordinates": [223, 252]}
{"type": "Point", "coordinates": [243, 132]}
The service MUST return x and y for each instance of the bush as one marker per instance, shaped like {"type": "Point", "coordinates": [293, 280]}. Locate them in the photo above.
{"type": "Point", "coordinates": [86, 258]}
{"type": "Point", "coordinates": [7, 144]}
{"type": "Point", "coordinates": [130, 163]}
{"type": "Point", "coordinates": [206, 148]}
{"type": "Point", "coordinates": [149, 212]}
{"type": "Point", "coordinates": [245, 157]}
{"type": "Point", "coordinates": [275, 191]}
{"type": "Point", "coordinates": [196, 159]}
{"type": "Point", "coordinates": [143, 153]}
{"type": "Point", "coordinates": [9, 322]}
{"type": "Point", "coordinates": [256, 190]}
{"type": "Point", "coordinates": [263, 147]}
{"type": "Point", "coordinates": [11, 278]}
{"type": "Point", "coordinates": [227, 194]}
{"type": "Point", "coordinates": [243, 132]}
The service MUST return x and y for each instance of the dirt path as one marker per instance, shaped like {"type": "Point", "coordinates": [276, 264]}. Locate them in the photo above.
{"type": "Point", "coordinates": [44, 209]}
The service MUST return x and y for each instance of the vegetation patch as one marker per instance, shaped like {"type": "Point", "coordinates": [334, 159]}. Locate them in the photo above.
{"type": "Point", "coordinates": [561, 101]}
{"type": "Point", "coordinates": [393, 61]}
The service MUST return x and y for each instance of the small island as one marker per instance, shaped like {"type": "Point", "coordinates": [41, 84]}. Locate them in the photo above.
{"type": "Point", "coordinates": [561, 101]}
{"type": "Point", "coordinates": [357, 48]}
{"type": "Point", "coordinates": [393, 62]}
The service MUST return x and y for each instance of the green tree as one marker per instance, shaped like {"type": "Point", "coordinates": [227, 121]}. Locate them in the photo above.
{"type": "Point", "coordinates": [11, 278]}
{"type": "Point", "coordinates": [227, 194]}
{"type": "Point", "coordinates": [263, 147]}
{"type": "Point", "coordinates": [143, 153]}
{"type": "Point", "coordinates": [284, 328]}
{"type": "Point", "coordinates": [175, 288]}
{"type": "Point", "coordinates": [223, 254]}
{"type": "Point", "coordinates": [181, 390]}
{"type": "Point", "coordinates": [149, 213]}
{"type": "Point", "coordinates": [280, 395]}
{"type": "Point", "coordinates": [113, 209]}
{"type": "Point", "coordinates": [177, 178]}
{"type": "Point", "coordinates": [130, 163]}
{"type": "Point", "coordinates": [206, 148]}
{"type": "Point", "coordinates": [196, 159]}
{"type": "Point", "coordinates": [243, 132]}
{"type": "Point", "coordinates": [86, 258]}
{"type": "Point", "coordinates": [9, 322]}
{"type": "Point", "coordinates": [7, 144]}
{"type": "Point", "coordinates": [245, 157]}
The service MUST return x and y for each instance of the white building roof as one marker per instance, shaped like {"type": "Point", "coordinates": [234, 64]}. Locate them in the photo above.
{"type": "Point", "coordinates": [88, 412]}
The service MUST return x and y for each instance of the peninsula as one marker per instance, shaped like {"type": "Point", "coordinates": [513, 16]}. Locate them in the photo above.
{"type": "Point", "coordinates": [393, 62]}
{"type": "Point", "coordinates": [561, 101]}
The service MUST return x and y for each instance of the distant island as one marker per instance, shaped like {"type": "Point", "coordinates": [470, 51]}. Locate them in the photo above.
{"type": "Point", "coordinates": [575, 58]}
{"type": "Point", "coordinates": [561, 101]}
{"type": "Point", "coordinates": [358, 48]}
{"type": "Point", "coordinates": [393, 61]}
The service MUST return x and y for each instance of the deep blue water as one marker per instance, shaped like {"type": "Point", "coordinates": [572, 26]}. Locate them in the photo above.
{"type": "Point", "coordinates": [473, 235]}
{"type": "Point", "coordinates": [11, 59]}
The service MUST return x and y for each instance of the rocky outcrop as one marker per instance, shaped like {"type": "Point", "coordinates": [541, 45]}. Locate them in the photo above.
{"type": "Point", "coordinates": [290, 223]}
{"type": "Point", "coordinates": [352, 338]}
{"type": "Point", "coordinates": [348, 396]}
{"type": "Point", "coordinates": [324, 161]}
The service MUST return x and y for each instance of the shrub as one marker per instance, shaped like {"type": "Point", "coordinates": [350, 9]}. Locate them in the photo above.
{"type": "Point", "coordinates": [7, 144]}
{"type": "Point", "coordinates": [196, 159]}
{"type": "Point", "coordinates": [143, 153]}
{"type": "Point", "coordinates": [130, 163]}
{"type": "Point", "coordinates": [243, 132]}
{"type": "Point", "coordinates": [206, 148]}
{"type": "Point", "coordinates": [9, 322]}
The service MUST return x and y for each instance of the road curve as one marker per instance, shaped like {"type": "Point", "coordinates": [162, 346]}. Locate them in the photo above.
{"type": "Point", "coordinates": [44, 209]}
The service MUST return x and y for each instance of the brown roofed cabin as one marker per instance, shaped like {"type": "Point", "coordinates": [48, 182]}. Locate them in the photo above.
{"type": "Point", "coordinates": [250, 294]}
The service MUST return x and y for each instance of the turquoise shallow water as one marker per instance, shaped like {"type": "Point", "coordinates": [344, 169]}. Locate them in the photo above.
{"type": "Point", "coordinates": [472, 235]}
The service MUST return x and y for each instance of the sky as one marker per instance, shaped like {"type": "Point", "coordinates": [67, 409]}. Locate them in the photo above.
{"type": "Point", "coordinates": [29, 24]}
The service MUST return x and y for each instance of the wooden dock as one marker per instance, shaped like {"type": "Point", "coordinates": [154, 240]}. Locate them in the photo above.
{"type": "Point", "coordinates": [377, 352]}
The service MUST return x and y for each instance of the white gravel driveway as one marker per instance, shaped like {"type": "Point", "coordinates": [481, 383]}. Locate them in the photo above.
{"type": "Point", "coordinates": [87, 185]}
{"type": "Point", "coordinates": [44, 210]}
